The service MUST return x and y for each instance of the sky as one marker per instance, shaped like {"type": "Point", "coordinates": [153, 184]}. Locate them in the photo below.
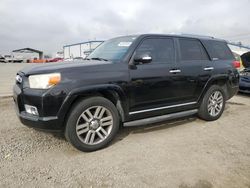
{"type": "Point", "coordinates": [48, 25]}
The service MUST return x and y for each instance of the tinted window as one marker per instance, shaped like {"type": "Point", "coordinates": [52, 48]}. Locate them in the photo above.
{"type": "Point", "coordinates": [161, 50]}
{"type": "Point", "coordinates": [219, 50]}
{"type": "Point", "coordinates": [192, 50]}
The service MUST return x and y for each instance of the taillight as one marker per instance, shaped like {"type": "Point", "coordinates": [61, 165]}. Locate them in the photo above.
{"type": "Point", "coordinates": [236, 64]}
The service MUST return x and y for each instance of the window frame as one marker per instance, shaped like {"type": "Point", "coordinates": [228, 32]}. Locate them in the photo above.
{"type": "Point", "coordinates": [208, 58]}
{"type": "Point", "coordinates": [160, 37]}
{"type": "Point", "coordinates": [207, 44]}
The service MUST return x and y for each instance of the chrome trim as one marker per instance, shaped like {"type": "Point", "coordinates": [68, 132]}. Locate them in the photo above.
{"type": "Point", "coordinates": [147, 58]}
{"type": "Point", "coordinates": [161, 108]}
{"type": "Point", "coordinates": [208, 68]}
{"type": "Point", "coordinates": [175, 71]}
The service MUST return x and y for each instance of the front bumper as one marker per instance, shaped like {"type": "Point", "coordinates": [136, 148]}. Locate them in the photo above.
{"type": "Point", "coordinates": [42, 122]}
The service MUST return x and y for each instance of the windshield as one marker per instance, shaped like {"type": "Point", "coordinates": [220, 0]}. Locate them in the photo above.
{"type": "Point", "coordinates": [113, 49]}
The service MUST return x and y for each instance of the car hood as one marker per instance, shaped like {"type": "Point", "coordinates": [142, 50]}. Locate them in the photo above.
{"type": "Point", "coordinates": [85, 66]}
{"type": "Point", "coordinates": [245, 58]}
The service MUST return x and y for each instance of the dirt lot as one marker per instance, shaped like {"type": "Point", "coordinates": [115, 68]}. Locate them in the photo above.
{"type": "Point", "coordinates": [188, 153]}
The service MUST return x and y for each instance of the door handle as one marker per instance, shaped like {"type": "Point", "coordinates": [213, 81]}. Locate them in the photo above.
{"type": "Point", "coordinates": [175, 71]}
{"type": "Point", "coordinates": [208, 68]}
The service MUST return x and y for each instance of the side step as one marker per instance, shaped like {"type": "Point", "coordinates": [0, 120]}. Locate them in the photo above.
{"type": "Point", "coordinates": [157, 119]}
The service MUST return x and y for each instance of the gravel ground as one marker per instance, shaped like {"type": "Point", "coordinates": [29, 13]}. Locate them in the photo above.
{"type": "Point", "coordinates": [186, 153]}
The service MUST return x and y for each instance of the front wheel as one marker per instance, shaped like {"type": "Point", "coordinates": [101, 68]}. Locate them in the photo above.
{"type": "Point", "coordinates": [213, 104]}
{"type": "Point", "coordinates": [92, 124]}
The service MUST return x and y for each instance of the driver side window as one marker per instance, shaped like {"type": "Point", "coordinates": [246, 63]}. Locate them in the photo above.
{"type": "Point", "coordinates": [160, 50]}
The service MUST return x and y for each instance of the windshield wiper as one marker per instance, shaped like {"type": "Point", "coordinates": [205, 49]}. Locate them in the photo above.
{"type": "Point", "coordinates": [98, 58]}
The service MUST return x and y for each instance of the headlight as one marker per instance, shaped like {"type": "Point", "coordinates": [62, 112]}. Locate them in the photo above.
{"type": "Point", "coordinates": [44, 81]}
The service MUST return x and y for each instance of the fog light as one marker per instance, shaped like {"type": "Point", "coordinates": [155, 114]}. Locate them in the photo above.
{"type": "Point", "coordinates": [31, 109]}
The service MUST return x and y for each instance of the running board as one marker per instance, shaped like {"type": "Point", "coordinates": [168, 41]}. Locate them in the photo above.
{"type": "Point", "coordinates": [157, 119]}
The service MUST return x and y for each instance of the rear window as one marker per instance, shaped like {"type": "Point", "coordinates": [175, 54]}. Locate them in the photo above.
{"type": "Point", "coordinates": [218, 50]}
{"type": "Point", "coordinates": [192, 50]}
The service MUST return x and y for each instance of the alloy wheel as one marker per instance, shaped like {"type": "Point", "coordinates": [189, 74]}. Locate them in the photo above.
{"type": "Point", "coordinates": [215, 103]}
{"type": "Point", "coordinates": [94, 125]}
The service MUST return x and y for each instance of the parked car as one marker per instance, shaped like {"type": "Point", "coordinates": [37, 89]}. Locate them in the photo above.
{"type": "Point", "coordinates": [37, 60]}
{"type": "Point", "coordinates": [12, 59]}
{"type": "Point", "coordinates": [68, 59]}
{"type": "Point", "coordinates": [78, 58]}
{"type": "Point", "coordinates": [2, 59]}
{"type": "Point", "coordinates": [74, 59]}
{"type": "Point", "coordinates": [128, 81]}
{"type": "Point", "coordinates": [245, 74]}
{"type": "Point", "coordinates": [57, 59]}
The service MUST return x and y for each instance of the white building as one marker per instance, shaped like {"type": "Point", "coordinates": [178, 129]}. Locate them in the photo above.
{"type": "Point", "coordinates": [80, 49]}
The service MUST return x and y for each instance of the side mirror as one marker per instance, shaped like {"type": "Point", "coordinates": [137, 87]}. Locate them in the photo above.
{"type": "Point", "coordinates": [142, 59]}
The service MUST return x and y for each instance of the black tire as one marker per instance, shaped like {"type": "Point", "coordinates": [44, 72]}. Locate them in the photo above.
{"type": "Point", "coordinates": [76, 112]}
{"type": "Point", "coordinates": [203, 112]}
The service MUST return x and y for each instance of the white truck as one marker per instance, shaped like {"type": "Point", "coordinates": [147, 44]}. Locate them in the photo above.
{"type": "Point", "coordinates": [10, 59]}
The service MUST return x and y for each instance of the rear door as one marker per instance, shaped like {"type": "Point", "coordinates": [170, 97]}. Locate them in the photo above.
{"type": "Point", "coordinates": [222, 59]}
{"type": "Point", "coordinates": [195, 69]}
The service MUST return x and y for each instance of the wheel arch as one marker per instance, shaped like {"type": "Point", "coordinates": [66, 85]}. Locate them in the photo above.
{"type": "Point", "coordinates": [221, 80]}
{"type": "Point", "coordinates": [111, 92]}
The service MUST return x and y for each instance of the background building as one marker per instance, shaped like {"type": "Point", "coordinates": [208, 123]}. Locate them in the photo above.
{"type": "Point", "coordinates": [80, 49]}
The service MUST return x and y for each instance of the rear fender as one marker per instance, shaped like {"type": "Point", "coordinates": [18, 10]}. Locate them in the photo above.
{"type": "Point", "coordinates": [221, 80]}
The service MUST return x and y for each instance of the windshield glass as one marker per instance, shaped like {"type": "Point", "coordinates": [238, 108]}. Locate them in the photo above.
{"type": "Point", "coordinates": [113, 49]}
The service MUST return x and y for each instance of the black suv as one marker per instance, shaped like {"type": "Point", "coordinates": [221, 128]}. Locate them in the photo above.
{"type": "Point", "coordinates": [130, 80]}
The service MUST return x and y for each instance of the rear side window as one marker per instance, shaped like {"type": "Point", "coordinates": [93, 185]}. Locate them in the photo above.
{"type": "Point", "coordinates": [161, 50]}
{"type": "Point", "coordinates": [218, 50]}
{"type": "Point", "coordinates": [192, 50]}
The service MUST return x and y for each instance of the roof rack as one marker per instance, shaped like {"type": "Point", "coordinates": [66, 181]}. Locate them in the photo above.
{"type": "Point", "coordinates": [194, 35]}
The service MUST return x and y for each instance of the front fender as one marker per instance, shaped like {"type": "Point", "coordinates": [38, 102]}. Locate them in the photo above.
{"type": "Point", "coordinates": [87, 91]}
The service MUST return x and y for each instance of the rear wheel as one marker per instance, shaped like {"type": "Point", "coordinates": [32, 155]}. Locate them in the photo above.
{"type": "Point", "coordinates": [92, 124]}
{"type": "Point", "coordinates": [213, 104]}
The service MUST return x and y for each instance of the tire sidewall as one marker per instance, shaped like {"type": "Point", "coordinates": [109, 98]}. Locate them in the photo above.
{"type": "Point", "coordinates": [77, 110]}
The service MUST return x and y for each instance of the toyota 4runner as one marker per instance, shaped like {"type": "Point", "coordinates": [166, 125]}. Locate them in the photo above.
{"type": "Point", "coordinates": [130, 80]}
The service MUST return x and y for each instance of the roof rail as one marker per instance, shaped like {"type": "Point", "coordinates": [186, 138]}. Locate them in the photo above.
{"type": "Point", "coordinates": [194, 35]}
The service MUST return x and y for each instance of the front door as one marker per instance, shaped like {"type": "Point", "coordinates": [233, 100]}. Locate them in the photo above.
{"type": "Point", "coordinates": [153, 85]}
